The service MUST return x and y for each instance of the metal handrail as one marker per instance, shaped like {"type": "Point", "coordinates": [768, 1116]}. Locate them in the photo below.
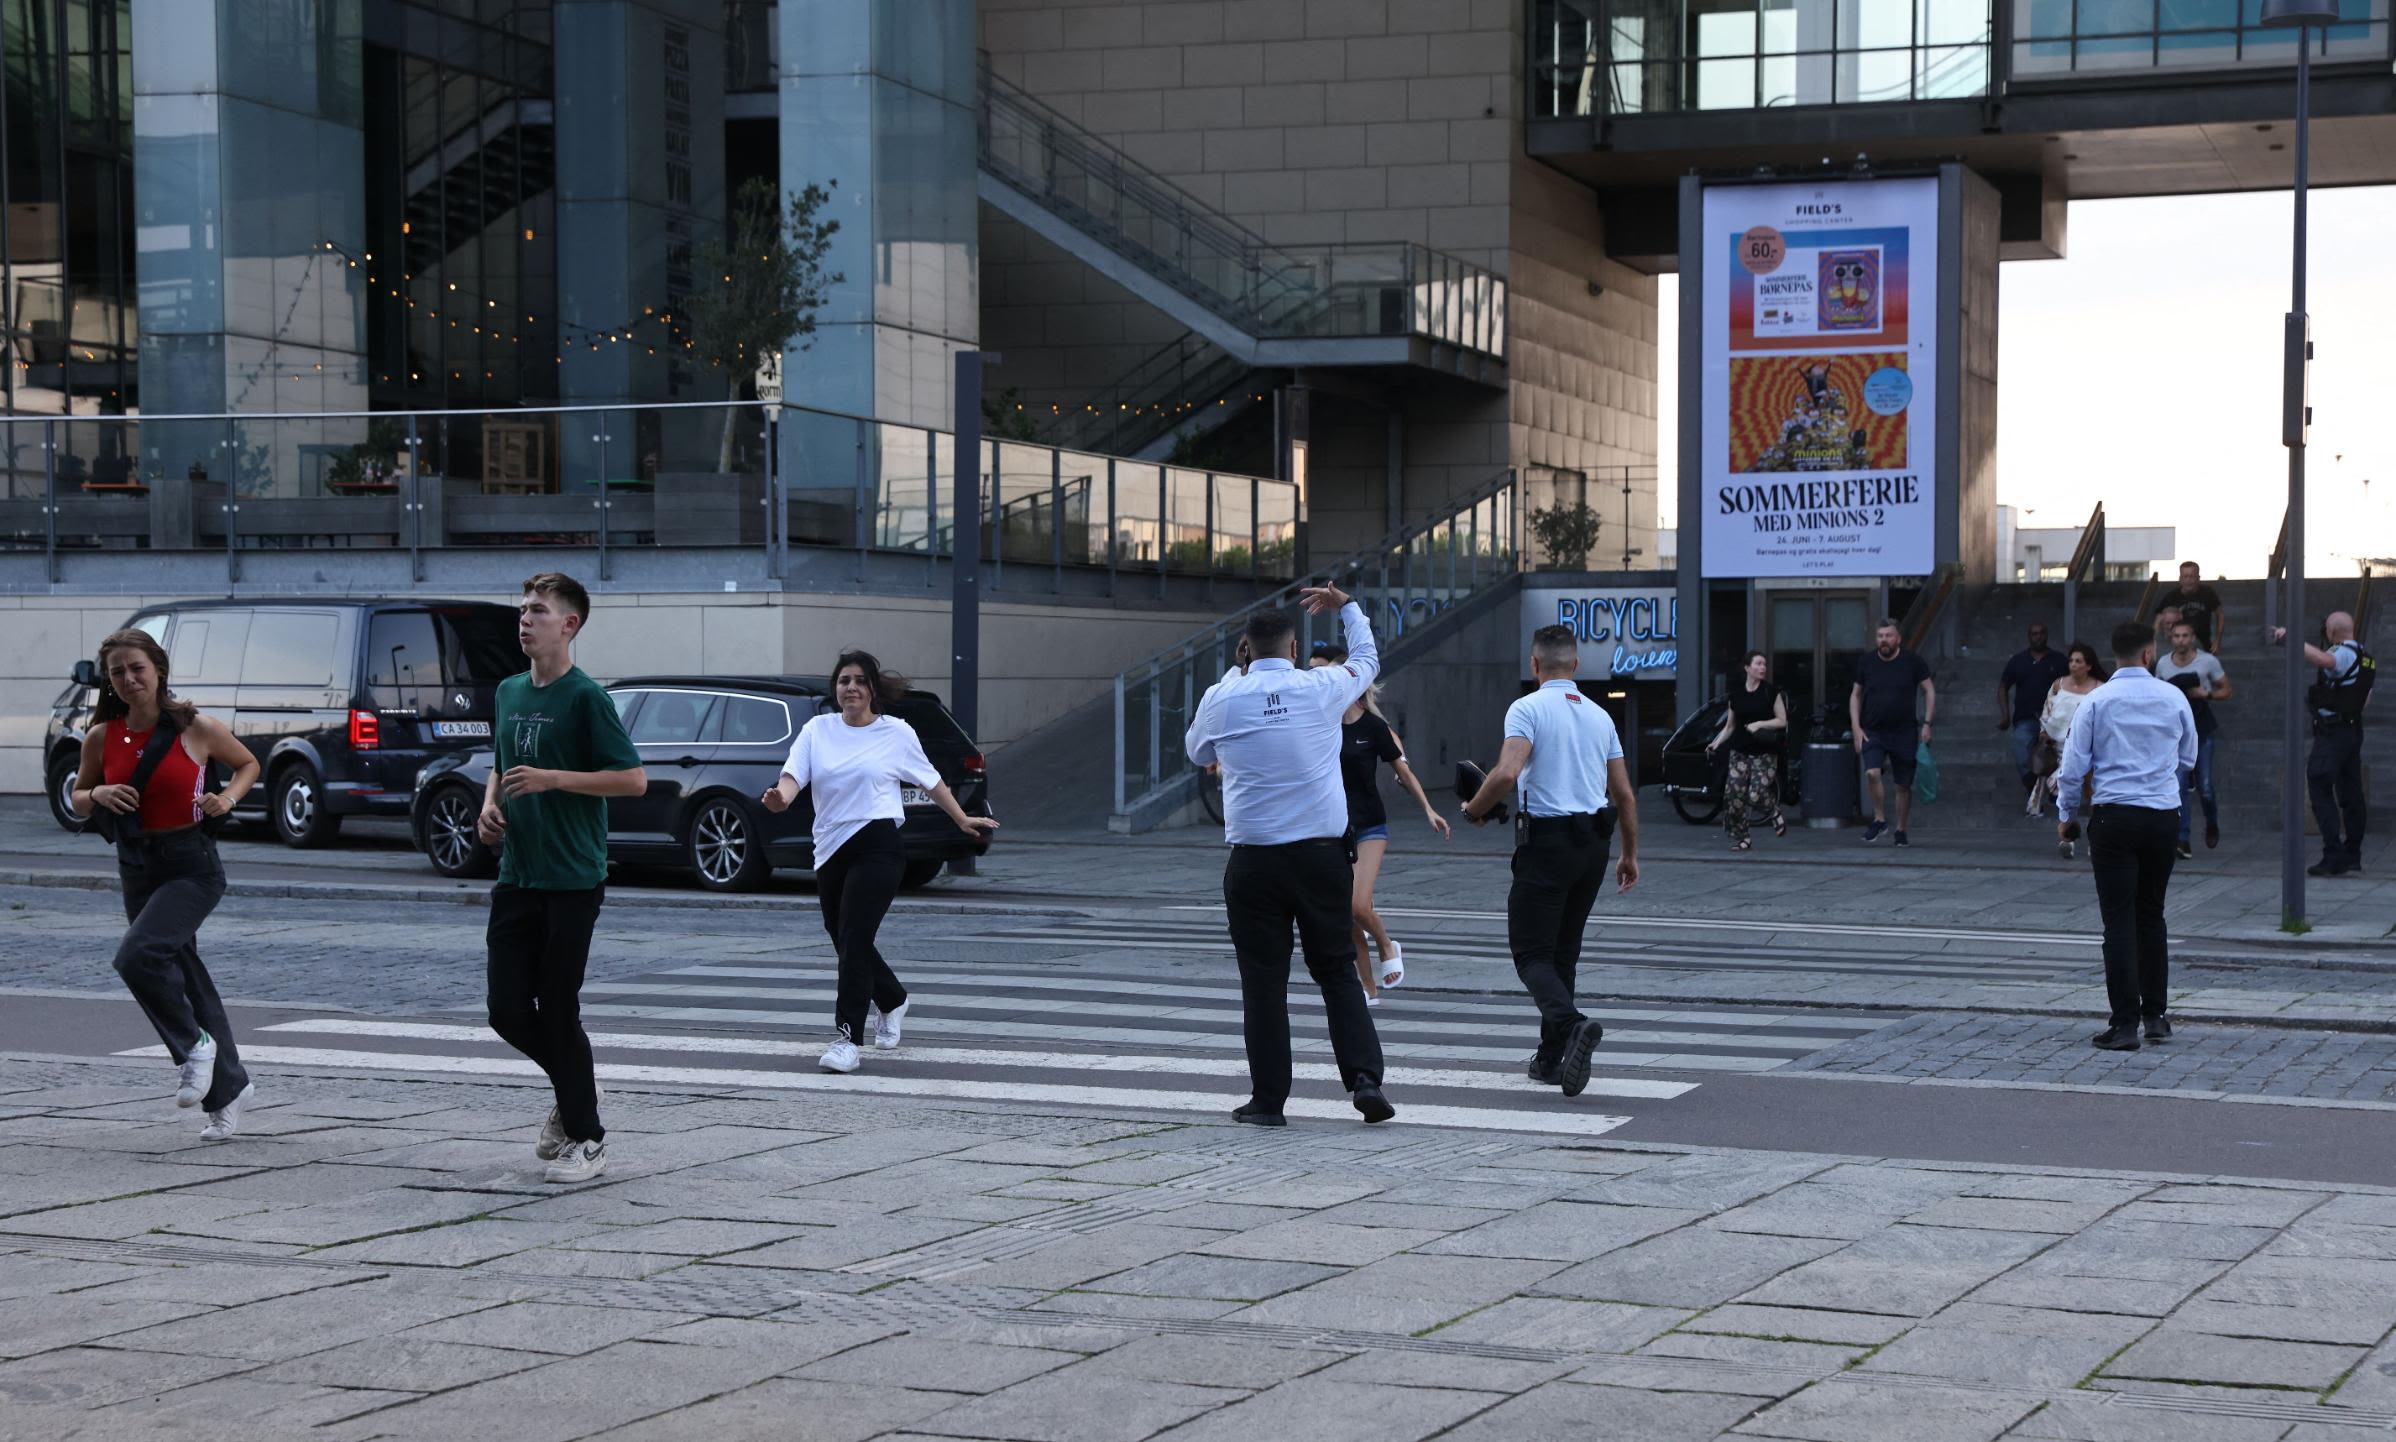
{"type": "Point", "coordinates": [2091, 547]}
{"type": "Point", "coordinates": [1350, 564]}
{"type": "Point", "coordinates": [1188, 368]}
{"type": "Point", "coordinates": [1928, 603]}
{"type": "Point", "coordinates": [2146, 597]}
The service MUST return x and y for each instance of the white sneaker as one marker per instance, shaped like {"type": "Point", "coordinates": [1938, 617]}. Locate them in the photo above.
{"type": "Point", "coordinates": [1393, 965]}
{"type": "Point", "coordinates": [553, 1130]}
{"type": "Point", "coordinates": [198, 1073]}
{"type": "Point", "coordinates": [841, 1056]}
{"type": "Point", "coordinates": [223, 1123]}
{"type": "Point", "coordinates": [579, 1162]}
{"type": "Point", "coordinates": [886, 1027]}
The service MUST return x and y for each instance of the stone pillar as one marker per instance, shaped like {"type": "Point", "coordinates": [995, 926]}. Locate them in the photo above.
{"type": "Point", "coordinates": [879, 97]}
{"type": "Point", "coordinates": [249, 159]}
{"type": "Point", "coordinates": [640, 176]}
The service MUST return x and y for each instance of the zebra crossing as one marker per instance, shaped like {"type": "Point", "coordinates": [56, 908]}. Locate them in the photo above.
{"type": "Point", "coordinates": [1088, 1036]}
{"type": "Point", "coordinates": [1204, 933]}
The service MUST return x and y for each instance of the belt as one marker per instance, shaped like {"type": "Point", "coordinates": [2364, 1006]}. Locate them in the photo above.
{"type": "Point", "coordinates": [1339, 841]}
{"type": "Point", "coordinates": [2120, 806]}
{"type": "Point", "coordinates": [1562, 823]}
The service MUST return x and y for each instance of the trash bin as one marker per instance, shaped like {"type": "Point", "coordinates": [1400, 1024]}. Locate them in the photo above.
{"type": "Point", "coordinates": [1830, 784]}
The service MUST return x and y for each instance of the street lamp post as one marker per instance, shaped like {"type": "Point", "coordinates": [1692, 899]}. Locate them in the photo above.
{"type": "Point", "coordinates": [2295, 417]}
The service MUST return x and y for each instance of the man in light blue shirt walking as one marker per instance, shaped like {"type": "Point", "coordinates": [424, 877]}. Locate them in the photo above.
{"type": "Point", "coordinates": [2130, 744]}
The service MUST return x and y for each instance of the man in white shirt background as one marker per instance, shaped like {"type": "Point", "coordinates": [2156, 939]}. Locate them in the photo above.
{"type": "Point", "coordinates": [1274, 730]}
{"type": "Point", "coordinates": [1576, 793]}
{"type": "Point", "coordinates": [2135, 737]}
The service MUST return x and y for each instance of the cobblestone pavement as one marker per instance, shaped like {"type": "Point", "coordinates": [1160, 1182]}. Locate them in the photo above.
{"type": "Point", "coordinates": [2199, 1059]}
{"type": "Point", "coordinates": [375, 1258]}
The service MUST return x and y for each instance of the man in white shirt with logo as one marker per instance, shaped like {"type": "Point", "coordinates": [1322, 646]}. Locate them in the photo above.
{"type": "Point", "coordinates": [1576, 792]}
{"type": "Point", "coordinates": [1275, 732]}
{"type": "Point", "coordinates": [2132, 740]}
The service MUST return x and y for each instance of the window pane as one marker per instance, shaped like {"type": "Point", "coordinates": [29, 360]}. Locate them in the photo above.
{"type": "Point", "coordinates": [290, 648]}
{"type": "Point", "coordinates": [218, 641]}
{"type": "Point", "coordinates": [755, 721]}
{"type": "Point", "coordinates": [401, 650]}
{"type": "Point", "coordinates": [673, 716]}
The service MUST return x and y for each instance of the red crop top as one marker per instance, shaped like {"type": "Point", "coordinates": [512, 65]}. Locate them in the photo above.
{"type": "Point", "coordinates": [171, 800]}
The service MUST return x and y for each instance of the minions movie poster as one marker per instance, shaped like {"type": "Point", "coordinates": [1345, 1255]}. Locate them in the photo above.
{"type": "Point", "coordinates": [1817, 379]}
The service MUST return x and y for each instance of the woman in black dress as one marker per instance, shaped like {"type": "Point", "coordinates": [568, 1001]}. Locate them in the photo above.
{"type": "Point", "coordinates": [1755, 728]}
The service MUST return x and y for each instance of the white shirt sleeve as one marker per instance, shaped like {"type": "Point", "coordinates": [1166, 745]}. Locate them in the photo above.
{"type": "Point", "coordinates": [2078, 757]}
{"type": "Point", "coordinates": [1520, 721]}
{"type": "Point", "coordinates": [1336, 688]}
{"type": "Point", "coordinates": [913, 766]}
{"type": "Point", "coordinates": [1199, 740]}
{"type": "Point", "coordinates": [796, 765]}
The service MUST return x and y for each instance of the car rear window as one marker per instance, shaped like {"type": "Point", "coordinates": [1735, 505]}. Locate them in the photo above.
{"type": "Point", "coordinates": [443, 647]}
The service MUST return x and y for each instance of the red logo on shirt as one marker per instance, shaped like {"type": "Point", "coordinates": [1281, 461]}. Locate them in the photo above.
{"type": "Point", "coordinates": [1351, 671]}
{"type": "Point", "coordinates": [1573, 696]}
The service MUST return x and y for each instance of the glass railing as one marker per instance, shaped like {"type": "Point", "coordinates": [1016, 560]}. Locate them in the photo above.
{"type": "Point", "coordinates": [741, 475]}
{"type": "Point", "coordinates": [1639, 57]}
{"type": "Point", "coordinates": [1636, 57]}
{"type": "Point", "coordinates": [2054, 38]}
{"type": "Point", "coordinates": [1403, 582]}
{"type": "Point", "coordinates": [1268, 291]}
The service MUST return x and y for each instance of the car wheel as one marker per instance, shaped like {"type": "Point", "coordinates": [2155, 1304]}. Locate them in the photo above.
{"type": "Point", "coordinates": [1697, 810]}
{"type": "Point", "coordinates": [298, 807]}
{"type": "Point", "coordinates": [726, 847]}
{"type": "Point", "coordinates": [60, 781]}
{"type": "Point", "coordinates": [919, 874]}
{"type": "Point", "coordinates": [449, 838]}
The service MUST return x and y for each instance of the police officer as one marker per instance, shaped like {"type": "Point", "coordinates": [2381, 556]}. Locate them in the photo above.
{"type": "Point", "coordinates": [1275, 732]}
{"type": "Point", "coordinates": [1576, 793]}
{"type": "Point", "coordinates": [2333, 770]}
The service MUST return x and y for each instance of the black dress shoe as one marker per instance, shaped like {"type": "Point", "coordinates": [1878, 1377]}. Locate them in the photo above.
{"type": "Point", "coordinates": [1572, 1069]}
{"type": "Point", "coordinates": [1257, 1116]}
{"type": "Point", "coordinates": [2158, 1028]}
{"type": "Point", "coordinates": [2212, 837]}
{"type": "Point", "coordinates": [1373, 1106]}
{"type": "Point", "coordinates": [1540, 1070]}
{"type": "Point", "coordinates": [2116, 1038]}
{"type": "Point", "coordinates": [2326, 867]}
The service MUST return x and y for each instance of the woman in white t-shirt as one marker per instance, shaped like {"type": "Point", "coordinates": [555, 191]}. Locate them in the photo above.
{"type": "Point", "coordinates": [855, 761]}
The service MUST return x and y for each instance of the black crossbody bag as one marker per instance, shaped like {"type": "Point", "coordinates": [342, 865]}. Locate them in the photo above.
{"type": "Point", "coordinates": [123, 829]}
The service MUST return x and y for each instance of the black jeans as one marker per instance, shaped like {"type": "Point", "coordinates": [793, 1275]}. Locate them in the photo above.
{"type": "Point", "coordinates": [1558, 873]}
{"type": "Point", "coordinates": [1267, 890]}
{"type": "Point", "coordinates": [855, 888]}
{"type": "Point", "coordinates": [171, 884]}
{"type": "Point", "coordinates": [539, 942]}
{"type": "Point", "coordinates": [2131, 850]}
{"type": "Point", "coordinates": [2333, 773]}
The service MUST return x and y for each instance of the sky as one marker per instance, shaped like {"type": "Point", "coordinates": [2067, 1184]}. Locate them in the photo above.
{"type": "Point", "coordinates": [2144, 370]}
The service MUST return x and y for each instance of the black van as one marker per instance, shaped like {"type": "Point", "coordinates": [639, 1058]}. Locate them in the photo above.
{"type": "Point", "coordinates": [342, 701]}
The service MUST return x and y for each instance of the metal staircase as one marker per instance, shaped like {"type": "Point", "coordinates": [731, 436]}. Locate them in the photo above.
{"type": "Point", "coordinates": [1392, 306]}
{"type": "Point", "coordinates": [1408, 582]}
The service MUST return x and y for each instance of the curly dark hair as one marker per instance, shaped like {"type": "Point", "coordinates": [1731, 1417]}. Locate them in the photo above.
{"type": "Point", "coordinates": [2096, 667]}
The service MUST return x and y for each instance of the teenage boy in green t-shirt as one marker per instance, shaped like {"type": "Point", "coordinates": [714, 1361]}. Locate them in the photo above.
{"type": "Point", "coordinates": [559, 751]}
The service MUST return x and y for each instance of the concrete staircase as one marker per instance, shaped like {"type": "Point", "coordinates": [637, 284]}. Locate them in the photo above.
{"type": "Point", "coordinates": [1977, 785]}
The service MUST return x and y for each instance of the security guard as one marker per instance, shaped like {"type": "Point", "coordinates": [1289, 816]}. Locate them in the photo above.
{"type": "Point", "coordinates": [1275, 732]}
{"type": "Point", "coordinates": [1576, 793]}
{"type": "Point", "coordinates": [2333, 769]}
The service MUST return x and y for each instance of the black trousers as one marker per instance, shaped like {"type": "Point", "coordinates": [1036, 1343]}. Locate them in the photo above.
{"type": "Point", "coordinates": [2131, 850]}
{"type": "Point", "coordinates": [1558, 873]}
{"type": "Point", "coordinates": [2333, 774]}
{"type": "Point", "coordinates": [172, 882]}
{"type": "Point", "coordinates": [1266, 891]}
{"type": "Point", "coordinates": [539, 943]}
{"type": "Point", "coordinates": [855, 889]}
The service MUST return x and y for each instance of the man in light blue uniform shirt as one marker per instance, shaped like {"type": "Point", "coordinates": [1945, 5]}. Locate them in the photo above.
{"type": "Point", "coordinates": [2134, 739]}
{"type": "Point", "coordinates": [1275, 732]}
{"type": "Point", "coordinates": [1576, 793]}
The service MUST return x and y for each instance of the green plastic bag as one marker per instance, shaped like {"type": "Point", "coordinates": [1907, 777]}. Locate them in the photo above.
{"type": "Point", "coordinates": [1925, 776]}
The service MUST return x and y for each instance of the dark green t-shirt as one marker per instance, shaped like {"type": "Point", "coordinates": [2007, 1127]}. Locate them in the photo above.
{"type": "Point", "coordinates": [556, 840]}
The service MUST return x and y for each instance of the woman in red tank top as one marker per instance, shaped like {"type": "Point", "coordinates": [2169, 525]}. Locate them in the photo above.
{"type": "Point", "coordinates": [169, 867]}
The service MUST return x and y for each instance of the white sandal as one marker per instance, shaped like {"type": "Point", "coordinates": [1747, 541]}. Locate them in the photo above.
{"type": "Point", "coordinates": [1393, 966]}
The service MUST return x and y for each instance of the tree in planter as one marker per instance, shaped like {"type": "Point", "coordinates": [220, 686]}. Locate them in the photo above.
{"type": "Point", "coordinates": [768, 283]}
{"type": "Point", "coordinates": [1004, 418]}
{"type": "Point", "coordinates": [1567, 533]}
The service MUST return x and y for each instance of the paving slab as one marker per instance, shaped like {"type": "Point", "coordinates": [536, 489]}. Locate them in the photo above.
{"type": "Point", "coordinates": [1850, 1411]}
{"type": "Point", "coordinates": [1079, 1405]}
{"type": "Point", "coordinates": [937, 1366]}
{"type": "Point", "coordinates": [2195, 1357]}
{"type": "Point", "coordinates": [1325, 1410]}
{"type": "Point", "coordinates": [1567, 1409]}
{"type": "Point", "coordinates": [1695, 1265]}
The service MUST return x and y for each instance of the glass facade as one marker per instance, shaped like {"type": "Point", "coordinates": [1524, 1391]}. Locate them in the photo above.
{"type": "Point", "coordinates": [66, 208]}
{"type": "Point", "coordinates": [461, 161]}
{"type": "Point", "coordinates": [2096, 37]}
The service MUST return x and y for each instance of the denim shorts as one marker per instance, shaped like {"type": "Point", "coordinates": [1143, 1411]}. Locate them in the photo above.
{"type": "Point", "coordinates": [1373, 833]}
